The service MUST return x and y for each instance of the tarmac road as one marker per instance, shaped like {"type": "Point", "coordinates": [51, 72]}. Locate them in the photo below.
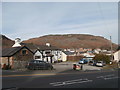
{"type": "Point", "coordinates": [88, 79]}
{"type": "Point", "coordinates": [62, 77]}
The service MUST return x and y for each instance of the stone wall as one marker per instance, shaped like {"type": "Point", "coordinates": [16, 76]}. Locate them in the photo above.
{"type": "Point", "coordinates": [74, 58]}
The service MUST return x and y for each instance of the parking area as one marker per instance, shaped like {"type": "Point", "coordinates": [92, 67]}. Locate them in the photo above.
{"type": "Point", "coordinates": [63, 66]}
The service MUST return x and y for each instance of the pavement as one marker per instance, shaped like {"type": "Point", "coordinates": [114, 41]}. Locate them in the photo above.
{"type": "Point", "coordinates": [62, 67]}
{"type": "Point", "coordinates": [58, 68]}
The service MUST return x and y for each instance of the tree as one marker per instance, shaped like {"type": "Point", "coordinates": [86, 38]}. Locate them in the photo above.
{"type": "Point", "coordinates": [102, 57]}
{"type": "Point", "coordinates": [118, 47]}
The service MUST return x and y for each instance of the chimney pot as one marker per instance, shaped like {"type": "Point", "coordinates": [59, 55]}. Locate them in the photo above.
{"type": "Point", "coordinates": [17, 42]}
{"type": "Point", "coordinates": [48, 44]}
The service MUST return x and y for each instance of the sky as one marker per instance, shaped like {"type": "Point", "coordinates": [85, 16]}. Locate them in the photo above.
{"type": "Point", "coordinates": [27, 20]}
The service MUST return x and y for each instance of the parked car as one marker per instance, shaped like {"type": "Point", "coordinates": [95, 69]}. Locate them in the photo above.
{"type": "Point", "coordinates": [104, 63]}
{"type": "Point", "coordinates": [37, 64]}
{"type": "Point", "coordinates": [93, 63]}
{"type": "Point", "coordinates": [100, 63]}
{"type": "Point", "coordinates": [83, 61]}
{"type": "Point", "coordinates": [76, 66]}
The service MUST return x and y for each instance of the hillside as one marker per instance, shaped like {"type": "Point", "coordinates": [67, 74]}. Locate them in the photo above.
{"type": "Point", "coordinates": [6, 42]}
{"type": "Point", "coordinates": [73, 41]}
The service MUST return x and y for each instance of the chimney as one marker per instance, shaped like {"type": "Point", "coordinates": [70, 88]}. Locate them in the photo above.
{"type": "Point", "coordinates": [48, 44]}
{"type": "Point", "coordinates": [17, 42]}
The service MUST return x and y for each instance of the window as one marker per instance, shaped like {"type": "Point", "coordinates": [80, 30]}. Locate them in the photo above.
{"type": "Point", "coordinates": [24, 52]}
{"type": "Point", "coordinates": [35, 61]}
{"type": "Point", "coordinates": [47, 52]}
{"type": "Point", "coordinates": [37, 57]}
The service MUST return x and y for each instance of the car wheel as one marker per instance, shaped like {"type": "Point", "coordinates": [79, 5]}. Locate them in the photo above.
{"type": "Point", "coordinates": [49, 68]}
{"type": "Point", "coordinates": [30, 68]}
{"type": "Point", "coordinates": [33, 68]}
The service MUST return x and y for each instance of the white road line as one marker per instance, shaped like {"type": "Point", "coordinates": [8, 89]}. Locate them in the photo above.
{"type": "Point", "coordinates": [106, 76]}
{"type": "Point", "coordinates": [72, 83]}
{"type": "Point", "coordinates": [69, 81]}
{"type": "Point", "coordinates": [111, 78]}
{"type": "Point", "coordinates": [56, 83]}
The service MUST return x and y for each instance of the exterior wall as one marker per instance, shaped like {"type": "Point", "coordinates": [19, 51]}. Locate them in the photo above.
{"type": "Point", "coordinates": [56, 55]}
{"type": "Point", "coordinates": [74, 58]}
{"type": "Point", "coordinates": [117, 56]}
{"type": "Point", "coordinates": [18, 60]}
{"type": "Point", "coordinates": [20, 57]}
{"type": "Point", "coordinates": [38, 54]}
{"type": "Point", "coordinates": [48, 59]}
{"type": "Point", "coordinates": [4, 60]}
{"type": "Point", "coordinates": [64, 57]}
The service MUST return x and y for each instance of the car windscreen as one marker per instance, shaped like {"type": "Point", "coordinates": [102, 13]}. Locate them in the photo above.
{"type": "Point", "coordinates": [99, 62]}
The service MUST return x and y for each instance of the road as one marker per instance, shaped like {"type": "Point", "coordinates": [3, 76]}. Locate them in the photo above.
{"type": "Point", "coordinates": [67, 79]}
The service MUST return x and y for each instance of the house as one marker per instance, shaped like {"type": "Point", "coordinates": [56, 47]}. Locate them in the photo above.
{"type": "Point", "coordinates": [38, 55]}
{"type": "Point", "coordinates": [117, 56]}
{"type": "Point", "coordinates": [48, 53]}
{"type": "Point", "coordinates": [16, 56]}
{"type": "Point", "coordinates": [65, 55]}
{"type": "Point", "coordinates": [97, 50]}
{"type": "Point", "coordinates": [45, 52]}
{"type": "Point", "coordinates": [88, 56]}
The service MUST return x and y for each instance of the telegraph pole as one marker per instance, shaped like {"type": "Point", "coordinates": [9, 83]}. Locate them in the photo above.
{"type": "Point", "coordinates": [111, 48]}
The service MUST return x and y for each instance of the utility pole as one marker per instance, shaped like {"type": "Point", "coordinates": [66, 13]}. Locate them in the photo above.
{"type": "Point", "coordinates": [111, 48]}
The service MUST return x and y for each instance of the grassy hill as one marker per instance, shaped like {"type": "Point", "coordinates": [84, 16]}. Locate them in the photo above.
{"type": "Point", "coordinates": [6, 42]}
{"type": "Point", "coordinates": [73, 41]}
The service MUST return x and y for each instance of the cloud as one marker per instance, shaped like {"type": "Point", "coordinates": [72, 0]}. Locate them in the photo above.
{"type": "Point", "coordinates": [29, 20]}
{"type": "Point", "coordinates": [101, 28]}
{"type": "Point", "coordinates": [0, 17]}
{"type": "Point", "coordinates": [60, 0]}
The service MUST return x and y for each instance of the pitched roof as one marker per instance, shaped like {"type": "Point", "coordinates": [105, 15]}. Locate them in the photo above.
{"type": "Point", "coordinates": [69, 53]}
{"type": "Point", "coordinates": [44, 47]}
{"type": "Point", "coordinates": [34, 47]}
{"type": "Point", "coordinates": [31, 46]}
{"type": "Point", "coordinates": [7, 52]}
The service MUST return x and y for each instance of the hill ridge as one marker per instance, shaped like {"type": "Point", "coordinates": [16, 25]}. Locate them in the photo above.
{"type": "Point", "coordinates": [72, 41]}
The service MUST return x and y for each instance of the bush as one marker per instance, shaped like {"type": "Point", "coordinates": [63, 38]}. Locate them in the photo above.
{"type": "Point", "coordinates": [102, 57]}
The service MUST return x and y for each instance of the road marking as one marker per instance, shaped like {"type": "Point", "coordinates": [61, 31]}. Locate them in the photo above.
{"type": "Point", "coordinates": [66, 81]}
{"type": "Point", "coordinates": [46, 74]}
{"type": "Point", "coordinates": [25, 75]}
{"type": "Point", "coordinates": [105, 76]}
{"type": "Point", "coordinates": [70, 82]}
{"type": "Point", "coordinates": [111, 78]}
